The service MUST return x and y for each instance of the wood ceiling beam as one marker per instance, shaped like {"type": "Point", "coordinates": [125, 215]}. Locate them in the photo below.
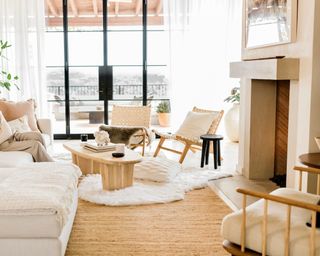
{"type": "Point", "coordinates": [112, 21]}
{"type": "Point", "coordinates": [74, 8]}
{"type": "Point", "coordinates": [52, 8]}
{"type": "Point", "coordinates": [95, 7]}
{"type": "Point", "coordinates": [116, 8]}
{"type": "Point", "coordinates": [138, 7]}
{"type": "Point", "coordinates": [159, 7]}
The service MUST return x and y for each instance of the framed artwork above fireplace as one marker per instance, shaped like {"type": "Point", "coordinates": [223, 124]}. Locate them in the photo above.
{"type": "Point", "coordinates": [269, 22]}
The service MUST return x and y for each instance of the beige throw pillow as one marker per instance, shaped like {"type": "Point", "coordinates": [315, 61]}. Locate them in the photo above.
{"type": "Point", "coordinates": [196, 124]}
{"type": "Point", "coordinates": [20, 125]}
{"type": "Point", "coordinates": [5, 131]}
{"type": "Point", "coordinates": [13, 110]}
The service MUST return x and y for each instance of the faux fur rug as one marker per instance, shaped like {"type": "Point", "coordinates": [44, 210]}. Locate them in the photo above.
{"type": "Point", "coordinates": [146, 192]}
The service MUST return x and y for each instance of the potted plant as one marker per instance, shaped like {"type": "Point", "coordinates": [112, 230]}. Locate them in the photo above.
{"type": "Point", "coordinates": [163, 110]}
{"type": "Point", "coordinates": [232, 117]}
{"type": "Point", "coordinates": [6, 78]}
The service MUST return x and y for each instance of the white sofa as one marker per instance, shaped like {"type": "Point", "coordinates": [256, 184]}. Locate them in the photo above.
{"type": "Point", "coordinates": [33, 235]}
{"type": "Point", "coordinates": [46, 128]}
{"type": "Point", "coordinates": [8, 159]}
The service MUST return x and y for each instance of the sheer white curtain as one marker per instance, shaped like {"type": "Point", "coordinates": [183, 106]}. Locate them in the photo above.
{"type": "Point", "coordinates": [204, 36]}
{"type": "Point", "coordinates": [22, 24]}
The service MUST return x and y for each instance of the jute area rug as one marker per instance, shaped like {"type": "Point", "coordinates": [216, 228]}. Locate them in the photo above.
{"type": "Point", "coordinates": [188, 227]}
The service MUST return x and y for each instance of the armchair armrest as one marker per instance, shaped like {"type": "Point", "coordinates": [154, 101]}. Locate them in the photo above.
{"type": "Point", "coordinates": [308, 170]}
{"type": "Point", "coordinates": [314, 208]}
{"type": "Point", "coordinates": [45, 126]}
{"type": "Point", "coordinates": [280, 199]}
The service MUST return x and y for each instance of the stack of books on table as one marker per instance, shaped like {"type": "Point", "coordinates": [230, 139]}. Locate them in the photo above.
{"type": "Point", "coordinates": [98, 149]}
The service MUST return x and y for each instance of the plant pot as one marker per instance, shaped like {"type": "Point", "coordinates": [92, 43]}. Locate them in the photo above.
{"type": "Point", "coordinates": [231, 121]}
{"type": "Point", "coordinates": [164, 119]}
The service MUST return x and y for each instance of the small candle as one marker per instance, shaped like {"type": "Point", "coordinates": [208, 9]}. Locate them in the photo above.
{"type": "Point", "coordinates": [120, 148]}
{"type": "Point", "coordinates": [84, 137]}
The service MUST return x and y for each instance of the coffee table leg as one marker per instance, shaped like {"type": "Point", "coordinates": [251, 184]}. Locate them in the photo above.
{"type": "Point", "coordinates": [117, 176]}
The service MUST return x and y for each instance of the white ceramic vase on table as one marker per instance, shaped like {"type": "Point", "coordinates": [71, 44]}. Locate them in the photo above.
{"type": "Point", "coordinates": [231, 120]}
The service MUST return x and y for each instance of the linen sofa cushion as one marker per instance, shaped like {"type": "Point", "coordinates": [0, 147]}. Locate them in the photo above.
{"type": "Point", "coordinates": [5, 130]}
{"type": "Point", "coordinates": [37, 218]}
{"type": "Point", "coordinates": [299, 235]}
{"type": "Point", "coordinates": [20, 125]}
{"type": "Point", "coordinates": [156, 169]}
{"type": "Point", "coordinates": [196, 124]}
{"type": "Point", "coordinates": [31, 226]}
{"type": "Point", "coordinates": [14, 158]}
{"type": "Point", "coordinates": [14, 110]}
{"type": "Point", "coordinates": [47, 139]}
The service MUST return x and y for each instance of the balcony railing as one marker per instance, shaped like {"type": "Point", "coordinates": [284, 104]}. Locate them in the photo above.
{"type": "Point", "coordinates": [87, 91]}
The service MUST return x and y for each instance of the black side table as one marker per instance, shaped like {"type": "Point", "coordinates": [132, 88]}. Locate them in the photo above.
{"type": "Point", "coordinates": [207, 138]}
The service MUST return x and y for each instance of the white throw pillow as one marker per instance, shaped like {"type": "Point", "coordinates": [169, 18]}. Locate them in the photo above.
{"type": "Point", "coordinates": [20, 125]}
{"type": "Point", "coordinates": [196, 124]}
{"type": "Point", "coordinates": [5, 131]}
{"type": "Point", "coordinates": [156, 169]}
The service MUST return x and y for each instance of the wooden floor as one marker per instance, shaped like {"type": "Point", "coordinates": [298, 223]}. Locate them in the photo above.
{"type": "Point", "coordinates": [188, 227]}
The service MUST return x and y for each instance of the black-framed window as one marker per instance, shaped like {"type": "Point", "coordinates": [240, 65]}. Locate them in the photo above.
{"type": "Point", "coordinates": [72, 78]}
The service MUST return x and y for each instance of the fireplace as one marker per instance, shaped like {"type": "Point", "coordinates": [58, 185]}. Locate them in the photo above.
{"type": "Point", "coordinates": [265, 92]}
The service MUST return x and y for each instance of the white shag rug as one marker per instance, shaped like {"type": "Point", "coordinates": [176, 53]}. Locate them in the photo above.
{"type": "Point", "coordinates": [146, 192]}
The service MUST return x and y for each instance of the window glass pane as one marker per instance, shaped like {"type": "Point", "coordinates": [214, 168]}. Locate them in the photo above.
{"type": "Point", "coordinates": [125, 15]}
{"type": "Point", "coordinates": [85, 15]}
{"type": "Point", "coordinates": [158, 48]}
{"type": "Point", "coordinates": [54, 49]}
{"type": "Point", "coordinates": [85, 48]}
{"type": "Point", "coordinates": [58, 111]}
{"type": "Point", "coordinates": [83, 83]}
{"type": "Point", "coordinates": [158, 82]}
{"type": "Point", "coordinates": [155, 15]}
{"type": "Point", "coordinates": [55, 84]}
{"type": "Point", "coordinates": [127, 83]}
{"type": "Point", "coordinates": [53, 14]}
{"type": "Point", "coordinates": [86, 116]}
{"type": "Point", "coordinates": [125, 48]}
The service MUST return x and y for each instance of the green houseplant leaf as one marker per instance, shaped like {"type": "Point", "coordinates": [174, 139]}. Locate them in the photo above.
{"type": "Point", "coordinates": [234, 96]}
{"type": "Point", "coordinates": [164, 107]}
{"type": "Point", "coordinates": [6, 78]}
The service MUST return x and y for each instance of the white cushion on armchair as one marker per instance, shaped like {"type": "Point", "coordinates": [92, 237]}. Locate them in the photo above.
{"type": "Point", "coordinates": [299, 235]}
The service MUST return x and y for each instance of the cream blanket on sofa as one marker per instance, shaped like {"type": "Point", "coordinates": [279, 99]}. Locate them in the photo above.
{"type": "Point", "coordinates": [39, 189]}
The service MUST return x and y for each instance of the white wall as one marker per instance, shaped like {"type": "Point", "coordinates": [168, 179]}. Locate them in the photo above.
{"type": "Point", "coordinates": [304, 118]}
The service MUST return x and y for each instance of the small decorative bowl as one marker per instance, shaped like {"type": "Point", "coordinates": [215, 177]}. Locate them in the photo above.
{"type": "Point", "coordinates": [317, 139]}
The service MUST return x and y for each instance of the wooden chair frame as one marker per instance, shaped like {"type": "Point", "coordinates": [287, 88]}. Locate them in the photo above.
{"type": "Point", "coordinates": [237, 250]}
{"type": "Point", "coordinates": [189, 144]}
{"type": "Point", "coordinates": [134, 116]}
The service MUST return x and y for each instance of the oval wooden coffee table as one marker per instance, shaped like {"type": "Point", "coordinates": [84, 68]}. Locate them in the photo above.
{"type": "Point", "coordinates": [116, 173]}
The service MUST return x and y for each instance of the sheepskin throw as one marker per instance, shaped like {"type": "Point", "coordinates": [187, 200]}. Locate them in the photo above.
{"type": "Point", "coordinates": [127, 134]}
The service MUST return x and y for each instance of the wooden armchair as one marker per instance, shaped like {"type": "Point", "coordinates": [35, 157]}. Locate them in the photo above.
{"type": "Point", "coordinates": [279, 223]}
{"type": "Point", "coordinates": [130, 125]}
{"type": "Point", "coordinates": [192, 144]}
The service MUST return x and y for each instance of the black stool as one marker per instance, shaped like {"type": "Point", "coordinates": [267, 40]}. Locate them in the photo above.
{"type": "Point", "coordinates": [207, 138]}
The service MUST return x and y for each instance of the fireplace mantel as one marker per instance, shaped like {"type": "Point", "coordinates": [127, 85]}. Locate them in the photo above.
{"type": "Point", "coordinates": [266, 69]}
{"type": "Point", "coordinates": [264, 110]}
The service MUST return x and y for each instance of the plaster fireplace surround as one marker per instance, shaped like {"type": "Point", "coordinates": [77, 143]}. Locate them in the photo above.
{"type": "Point", "coordinates": [265, 111]}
